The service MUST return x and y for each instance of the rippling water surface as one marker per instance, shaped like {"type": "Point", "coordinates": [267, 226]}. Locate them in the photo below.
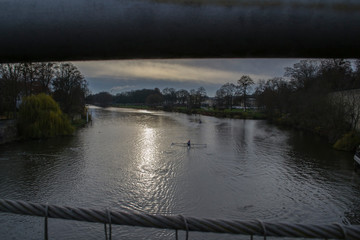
{"type": "Point", "coordinates": [125, 161]}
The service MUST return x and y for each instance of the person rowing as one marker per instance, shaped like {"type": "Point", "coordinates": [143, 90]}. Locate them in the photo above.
{"type": "Point", "coordinates": [189, 144]}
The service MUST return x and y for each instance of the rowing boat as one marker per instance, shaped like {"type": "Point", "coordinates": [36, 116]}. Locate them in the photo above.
{"type": "Point", "coordinates": [197, 145]}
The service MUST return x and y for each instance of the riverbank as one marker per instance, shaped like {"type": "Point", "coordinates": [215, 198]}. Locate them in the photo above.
{"type": "Point", "coordinates": [8, 131]}
{"type": "Point", "coordinates": [225, 113]}
{"type": "Point", "coordinates": [338, 139]}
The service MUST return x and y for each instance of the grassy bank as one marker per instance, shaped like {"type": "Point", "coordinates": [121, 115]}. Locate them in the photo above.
{"type": "Point", "coordinates": [340, 138]}
{"type": "Point", "coordinates": [144, 107]}
{"type": "Point", "coordinates": [226, 113]}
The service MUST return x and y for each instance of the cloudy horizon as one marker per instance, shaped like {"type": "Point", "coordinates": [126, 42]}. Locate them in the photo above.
{"type": "Point", "coordinates": [115, 76]}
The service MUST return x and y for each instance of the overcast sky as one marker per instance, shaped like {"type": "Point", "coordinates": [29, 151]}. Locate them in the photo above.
{"type": "Point", "coordinates": [125, 75]}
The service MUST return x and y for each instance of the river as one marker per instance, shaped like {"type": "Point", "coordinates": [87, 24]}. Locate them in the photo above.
{"type": "Point", "coordinates": [125, 160]}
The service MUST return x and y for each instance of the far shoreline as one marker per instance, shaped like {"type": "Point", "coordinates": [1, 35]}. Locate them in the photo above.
{"type": "Point", "coordinates": [223, 113]}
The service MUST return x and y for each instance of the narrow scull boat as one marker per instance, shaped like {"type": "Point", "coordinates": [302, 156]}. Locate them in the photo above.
{"type": "Point", "coordinates": [197, 145]}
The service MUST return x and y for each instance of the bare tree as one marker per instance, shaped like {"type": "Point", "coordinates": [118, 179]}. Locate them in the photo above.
{"type": "Point", "coordinates": [191, 98]}
{"type": "Point", "coordinates": [10, 76]}
{"type": "Point", "coordinates": [45, 74]}
{"type": "Point", "coordinates": [169, 95]}
{"type": "Point", "coordinates": [244, 84]}
{"type": "Point", "coordinates": [70, 88]}
{"type": "Point", "coordinates": [200, 96]}
{"type": "Point", "coordinates": [336, 74]}
{"type": "Point", "coordinates": [225, 95]}
{"type": "Point", "coordinates": [302, 73]}
{"type": "Point", "coordinates": [182, 96]}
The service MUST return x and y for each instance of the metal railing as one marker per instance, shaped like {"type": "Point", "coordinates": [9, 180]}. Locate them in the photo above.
{"type": "Point", "coordinates": [179, 222]}
{"type": "Point", "coordinates": [37, 30]}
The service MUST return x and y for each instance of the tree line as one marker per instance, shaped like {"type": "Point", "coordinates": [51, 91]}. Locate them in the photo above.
{"type": "Point", "coordinates": [153, 97]}
{"type": "Point", "coordinates": [226, 97]}
{"type": "Point", "coordinates": [231, 94]}
{"type": "Point", "coordinates": [63, 81]}
{"type": "Point", "coordinates": [306, 97]}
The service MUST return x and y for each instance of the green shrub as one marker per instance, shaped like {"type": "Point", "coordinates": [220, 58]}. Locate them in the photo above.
{"type": "Point", "coordinates": [40, 117]}
{"type": "Point", "coordinates": [348, 142]}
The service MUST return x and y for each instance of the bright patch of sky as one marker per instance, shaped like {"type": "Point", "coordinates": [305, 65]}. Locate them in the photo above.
{"type": "Point", "coordinates": [125, 75]}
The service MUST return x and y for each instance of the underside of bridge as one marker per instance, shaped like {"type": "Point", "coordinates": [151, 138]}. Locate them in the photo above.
{"type": "Point", "coordinates": [36, 30]}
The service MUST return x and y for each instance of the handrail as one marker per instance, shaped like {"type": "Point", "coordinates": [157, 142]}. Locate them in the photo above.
{"type": "Point", "coordinates": [254, 227]}
{"type": "Point", "coordinates": [62, 30]}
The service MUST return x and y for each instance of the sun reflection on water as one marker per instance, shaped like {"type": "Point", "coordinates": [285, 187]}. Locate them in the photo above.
{"type": "Point", "coordinates": [148, 148]}
{"type": "Point", "coordinates": [149, 181]}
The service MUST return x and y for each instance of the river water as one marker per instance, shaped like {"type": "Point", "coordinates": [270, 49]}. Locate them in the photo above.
{"type": "Point", "coordinates": [125, 160]}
